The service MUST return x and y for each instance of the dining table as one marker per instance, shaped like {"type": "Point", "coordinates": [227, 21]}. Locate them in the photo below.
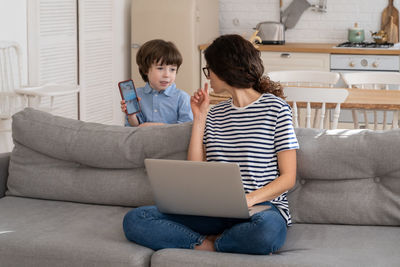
{"type": "Point", "coordinates": [357, 99]}
{"type": "Point", "coordinates": [360, 99]}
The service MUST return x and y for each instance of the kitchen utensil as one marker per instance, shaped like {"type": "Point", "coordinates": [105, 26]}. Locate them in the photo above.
{"type": "Point", "coordinates": [392, 31]}
{"type": "Point", "coordinates": [271, 32]}
{"type": "Point", "coordinates": [356, 34]}
{"type": "Point", "coordinates": [379, 37]}
{"type": "Point", "coordinates": [293, 12]}
{"type": "Point", "coordinates": [389, 11]}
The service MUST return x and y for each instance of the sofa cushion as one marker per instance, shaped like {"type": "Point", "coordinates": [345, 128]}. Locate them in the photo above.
{"type": "Point", "coordinates": [64, 159]}
{"type": "Point", "coordinates": [4, 162]}
{"type": "Point", "coordinates": [306, 245]}
{"type": "Point", "coordinates": [347, 177]}
{"type": "Point", "coordinates": [54, 233]}
{"type": "Point", "coordinates": [37, 175]}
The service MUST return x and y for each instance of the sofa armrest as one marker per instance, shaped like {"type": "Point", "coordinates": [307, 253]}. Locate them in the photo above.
{"type": "Point", "coordinates": [4, 161]}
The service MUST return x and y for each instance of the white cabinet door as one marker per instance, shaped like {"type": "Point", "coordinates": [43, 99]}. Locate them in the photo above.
{"type": "Point", "coordinates": [83, 42]}
{"type": "Point", "coordinates": [96, 61]}
{"type": "Point", "coordinates": [276, 61]}
{"type": "Point", "coordinates": [53, 49]}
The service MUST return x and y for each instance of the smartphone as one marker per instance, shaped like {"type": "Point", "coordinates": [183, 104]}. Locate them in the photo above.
{"type": "Point", "coordinates": [128, 93]}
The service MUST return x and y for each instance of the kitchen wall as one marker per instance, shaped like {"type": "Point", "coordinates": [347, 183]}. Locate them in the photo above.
{"type": "Point", "coordinates": [241, 16]}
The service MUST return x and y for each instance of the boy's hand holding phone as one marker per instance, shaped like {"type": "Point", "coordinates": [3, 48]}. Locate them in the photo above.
{"type": "Point", "coordinates": [130, 101]}
{"type": "Point", "coordinates": [123, 105]}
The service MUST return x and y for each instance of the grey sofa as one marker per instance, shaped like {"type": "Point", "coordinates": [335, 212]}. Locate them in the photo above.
{"type": "Point", "coordinates": [67, 184]}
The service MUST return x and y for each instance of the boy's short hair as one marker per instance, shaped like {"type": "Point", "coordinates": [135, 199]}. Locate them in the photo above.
{"type": "Point", "coordinates": [157, 51]}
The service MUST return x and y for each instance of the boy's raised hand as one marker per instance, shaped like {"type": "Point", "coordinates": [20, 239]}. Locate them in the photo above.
{"type": "Point", "coordinates": [200, 101]}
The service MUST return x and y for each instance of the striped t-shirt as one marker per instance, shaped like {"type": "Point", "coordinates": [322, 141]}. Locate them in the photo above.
{"type": "Point", "coordinates": [252, 136]}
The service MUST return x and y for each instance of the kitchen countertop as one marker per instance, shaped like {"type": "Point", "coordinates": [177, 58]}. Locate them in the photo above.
{"type": "Point", "coordinates": [321, 48]}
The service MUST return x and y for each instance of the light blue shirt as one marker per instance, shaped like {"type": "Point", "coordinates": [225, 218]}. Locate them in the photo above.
{"type": "Point", "coordinates": [167, 106]}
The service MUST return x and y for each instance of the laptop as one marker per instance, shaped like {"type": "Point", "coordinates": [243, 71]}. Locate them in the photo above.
{"type": "Point", "coordinates": [198, 188]}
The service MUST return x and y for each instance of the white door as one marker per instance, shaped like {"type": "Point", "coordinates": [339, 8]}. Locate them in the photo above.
{"type": "Point", "coordinates": [84, 42]}
{"type": "Point", "coordinates": [96, 61]}
{"type": "Point", "coordinates": [53, 49]}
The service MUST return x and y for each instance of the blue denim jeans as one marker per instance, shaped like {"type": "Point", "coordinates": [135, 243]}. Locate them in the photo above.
{"type": "Point", "coordinates": [263, 233]}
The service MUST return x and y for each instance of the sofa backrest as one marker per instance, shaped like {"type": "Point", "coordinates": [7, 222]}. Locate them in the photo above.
{"type": "Point", "coordinates": [64, 159]}
{"type": "Point", "coordinates": [343, 176]}
{"type": "Point", "coordinates": [347, 177]}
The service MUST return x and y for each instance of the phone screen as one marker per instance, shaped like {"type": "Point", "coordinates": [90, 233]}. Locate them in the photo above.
{"type": "Point", "coordinates": [128, 93]}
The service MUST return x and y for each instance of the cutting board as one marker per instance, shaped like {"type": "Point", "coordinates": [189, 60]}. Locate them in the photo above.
{"type": "Point", "coordinates": [392, 31]}
{"type": "Point", "coordinates": [388, 25]}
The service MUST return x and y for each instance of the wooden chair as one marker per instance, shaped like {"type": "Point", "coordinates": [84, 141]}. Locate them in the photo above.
{"type": "Point", "coordinates": [312, 95]}
{"type": "Point", "coordinates": [10, 101]}
{"type": "Point", "coordinates": [11, 80]}
{"type": "Point", "coordinates": [15, 96]}
{"type": "Point", "coordinates": [306, 78]}
{"type": "Point", "coordinates": [377, 81]}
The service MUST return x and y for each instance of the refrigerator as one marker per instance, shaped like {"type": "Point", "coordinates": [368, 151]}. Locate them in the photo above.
{"type": "Point", "coordinates": [186, 23]}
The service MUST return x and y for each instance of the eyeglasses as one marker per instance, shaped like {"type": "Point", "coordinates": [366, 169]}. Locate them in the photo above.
{"type": "Point", "coordinates": [206, 71]}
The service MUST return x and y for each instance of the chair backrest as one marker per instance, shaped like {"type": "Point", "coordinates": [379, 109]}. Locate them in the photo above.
{"type": "Point", "coordinates": [10, 79]}
{"type": "Point", "coordinates": [305, 78]}
{"type": "Point", "coordinates": [10, 66]}
{"type": "Point", "coordinates": [372, 80]}
{"type": "Point", "coordinates": [315, 95]}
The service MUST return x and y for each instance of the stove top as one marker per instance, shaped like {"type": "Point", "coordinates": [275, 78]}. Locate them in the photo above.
{"type": "Point", "coordinates": [365, 45]}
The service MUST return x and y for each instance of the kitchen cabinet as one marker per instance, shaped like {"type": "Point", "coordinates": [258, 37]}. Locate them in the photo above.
{"type": "Point", "coordinates": [187, 23]}
{"type": "Point", "coordinates": [277, 61]}
{"type": "Point", "coordinates": [304, 56]}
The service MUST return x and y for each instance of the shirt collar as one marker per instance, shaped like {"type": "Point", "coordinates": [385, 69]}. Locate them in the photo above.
{"type": "Point", "coordinates": [168, 92]}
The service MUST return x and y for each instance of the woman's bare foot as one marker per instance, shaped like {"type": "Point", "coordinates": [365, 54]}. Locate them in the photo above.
{"type": "Point", "coordinates": [212, 238]}
{"type": "Point", "coordinates": [208, 243]}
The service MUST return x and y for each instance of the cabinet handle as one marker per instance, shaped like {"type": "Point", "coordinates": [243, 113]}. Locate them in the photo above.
{"type": "Point", "coordinates": [285, 55]}
{"type": "Point", "coordinates": [135, 45]}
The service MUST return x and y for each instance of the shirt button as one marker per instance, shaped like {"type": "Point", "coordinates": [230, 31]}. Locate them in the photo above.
{"type": "Point", "coordinates": [155, 110]}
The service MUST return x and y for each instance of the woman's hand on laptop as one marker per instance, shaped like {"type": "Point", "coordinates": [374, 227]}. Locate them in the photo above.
{"type": "Point", "coordinates": [250, 201]}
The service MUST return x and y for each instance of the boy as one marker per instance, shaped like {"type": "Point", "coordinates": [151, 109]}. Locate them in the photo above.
{"type": "Point", "coordinates": [160, 101]}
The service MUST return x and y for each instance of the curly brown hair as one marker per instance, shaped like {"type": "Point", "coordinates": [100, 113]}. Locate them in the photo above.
{"type": "Point", "coordinates": [238, 63]}
{"type": "Point", "coordinates": [157, 51]}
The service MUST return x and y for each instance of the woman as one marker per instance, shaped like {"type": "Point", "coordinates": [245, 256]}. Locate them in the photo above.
{"type": "Point", "coordinates": [254, 129]}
